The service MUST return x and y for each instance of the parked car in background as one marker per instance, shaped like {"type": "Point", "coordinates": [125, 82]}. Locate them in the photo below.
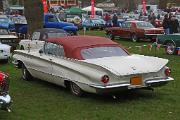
{"type": "Point", "coordinates": [6, 37]}
{"type": "Point", "coordinates": [134, 30]}
{"type": "Point", "coordinates": [20, 25]}
{"type": "Point", "coordinates": [51, 21]}
{"type": "Point", "coordinates": [93, 23]}
{"type": "Point", "coordinates": [6, 23]}
{"type": "Point", "coordinates": [5, 52]}
{"type": "Point", "coordinates": [5, 99]}
{"type": "Point", "coordinates": [171, 42]}
{"type": "Point", "coordinates": [76, 19]}
{"type": "Point", "coordinates": [39, 36]}
{"type": "Point", "coordinates": [91, 64]}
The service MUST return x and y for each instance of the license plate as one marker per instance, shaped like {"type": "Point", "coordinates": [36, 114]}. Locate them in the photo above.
{"type": "Point", "coordinates": [137, 80]}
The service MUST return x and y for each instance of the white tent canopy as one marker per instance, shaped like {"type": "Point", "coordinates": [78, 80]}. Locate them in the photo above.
{"type": "Point", "coordinates": [97, 11]}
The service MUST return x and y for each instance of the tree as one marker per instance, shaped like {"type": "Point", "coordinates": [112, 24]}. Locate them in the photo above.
{"type": "Point", "coordinates": [1, 5]}
{"type": "Point", "coordinates": [34, 14]}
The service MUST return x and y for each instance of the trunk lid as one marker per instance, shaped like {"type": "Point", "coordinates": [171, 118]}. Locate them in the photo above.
{"type": "Point", "coordinates": [128, 65]}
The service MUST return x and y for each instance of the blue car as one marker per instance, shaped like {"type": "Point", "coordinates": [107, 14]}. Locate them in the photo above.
{"type": "Point", "coordinates": [93, 23]}
{"type": "Point", "coordinates": [20, 24]}
{"type": "Point", "coordinates": [6, 23]}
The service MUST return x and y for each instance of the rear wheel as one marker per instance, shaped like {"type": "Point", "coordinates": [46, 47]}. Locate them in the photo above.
{"type": "Point", "coordinates": [25, 73]}
{"type": "Point", "coordinates": [170, 48]}
{"type": "Point", "coordinates": [110, 36]}
{"type": "Point", "coordinates": [134, 38]}
{"type": "Point", "coordinates": [75, 89]}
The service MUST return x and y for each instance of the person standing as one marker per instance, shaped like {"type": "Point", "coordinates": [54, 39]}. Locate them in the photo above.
{"type": "Point", "coordinates": [152, 19]}
{"type": "Point", "coordinates": [107, 18]}
{"type": "Point", "coordinates": [166, 24]}
{"type": "Point", "coordinates": [174, 24]}
{"type": "Point", "coordinates": [115, 20]}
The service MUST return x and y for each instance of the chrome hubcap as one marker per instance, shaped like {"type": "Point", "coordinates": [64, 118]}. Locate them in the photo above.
{"type": "Point", "coordinates": [170, 48]}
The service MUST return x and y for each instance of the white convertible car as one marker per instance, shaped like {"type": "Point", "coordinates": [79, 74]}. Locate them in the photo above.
{"type": "Point", "coordinates": [91, 64]}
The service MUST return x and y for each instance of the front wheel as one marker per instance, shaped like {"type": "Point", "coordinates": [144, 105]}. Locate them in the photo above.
{"type": "Point", "coordinates": [134, 38]}
{"type": "Point", "coordinates": [110, 36]}
{"type": "Point", "coordinates": [170, 48]}
{"type": "Point", "coordinates": [25, 74]}
{"type": "Point", "coordinates": [76, 90]}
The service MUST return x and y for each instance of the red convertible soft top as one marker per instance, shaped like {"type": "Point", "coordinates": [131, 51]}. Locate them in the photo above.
{"type": "Point", "coordinates": [73, 44]}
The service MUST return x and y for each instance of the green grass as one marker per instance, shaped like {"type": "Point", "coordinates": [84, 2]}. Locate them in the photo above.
{"type": "Point", "coordinates": [38, 100]}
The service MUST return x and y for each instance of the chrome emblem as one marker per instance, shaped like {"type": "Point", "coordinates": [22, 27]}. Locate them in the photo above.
{"type": "Point", "coordinates": [133, 68]}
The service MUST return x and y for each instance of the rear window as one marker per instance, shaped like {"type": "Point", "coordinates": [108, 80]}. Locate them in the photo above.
{"type": "Point", "coordinates": [100, 52]}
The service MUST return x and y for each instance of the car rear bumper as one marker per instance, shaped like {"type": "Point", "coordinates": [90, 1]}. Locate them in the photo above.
{"type": "Point", "coordinates": [127, 86]}
{"type": "Point", "coordinates": [5, 102]}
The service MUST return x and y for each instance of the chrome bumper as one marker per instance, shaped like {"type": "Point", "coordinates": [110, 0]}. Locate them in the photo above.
{"type": "Point", "coordinates": [148, 83]}
{"type": "Point", "coordinates": [5, 102]}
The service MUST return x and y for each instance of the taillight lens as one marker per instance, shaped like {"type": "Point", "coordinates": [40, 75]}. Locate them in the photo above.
{"type": "Point", "coordinates": [167, 72]}
{"type": "Point", "coordinates": [105, 79]}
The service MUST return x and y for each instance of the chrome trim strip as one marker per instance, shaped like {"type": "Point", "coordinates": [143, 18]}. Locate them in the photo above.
{"type": "Point", "coordinates": [110, 86]}
{"type": "Point", "coordinates": [152, 34]}
{"type": "Point", "coordinates": [159, 80]}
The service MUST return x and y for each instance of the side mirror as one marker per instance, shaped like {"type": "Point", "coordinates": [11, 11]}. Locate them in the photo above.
{"type": "Point", "coordinates": [40, 51]}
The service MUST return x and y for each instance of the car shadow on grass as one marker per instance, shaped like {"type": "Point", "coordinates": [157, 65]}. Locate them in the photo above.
{"type": "Point", "coordinates": [122, 96]}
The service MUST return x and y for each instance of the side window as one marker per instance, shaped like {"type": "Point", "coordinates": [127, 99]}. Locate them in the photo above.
{"type": "Point", "coordinates": [36, 36]}
{"type": "Point", "coordinates": [123, 25]}
{"type": "Point", "coordinates": [53, 49]}
{"type": "Point", "coordinates": [128, 25]}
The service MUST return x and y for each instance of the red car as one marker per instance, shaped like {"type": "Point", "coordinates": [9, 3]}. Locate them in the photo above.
{"type": "Point", "coordinates": [134, 30]}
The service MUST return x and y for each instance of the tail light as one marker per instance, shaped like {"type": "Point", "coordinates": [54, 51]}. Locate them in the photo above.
{"type": "Point", "coordinates": [105, 79]}
{"type": "Point", "coordinates": [167, 71]}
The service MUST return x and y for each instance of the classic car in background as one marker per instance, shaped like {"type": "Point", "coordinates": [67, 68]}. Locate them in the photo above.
{"type": "Point", "coordinates": [75, 19]}
{"type": "Point", "coordinates": [5, 99]}
{"type": "Point", "coordinates": [171, 42]}
{"type": "Point", "coordinates": [9, 38]}
{"type": "Point", "coordinates": [39, 36]}
{"type": "Point", "coordinates": [5, 52]}
{"type": "Point", "coordinates": [51, 21]}
{"type": "Point", "coordinates": [91, 64]}
{"type": "Point", "coordinates": [20, 25]}
{"type": "Point", "coordinates": [6, 23]}
{"type": "Point", "coordinates": [134, 30]}
{"type": "Point", "coordinates": [93, 23]}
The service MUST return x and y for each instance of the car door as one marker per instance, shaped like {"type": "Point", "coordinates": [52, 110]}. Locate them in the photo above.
{"type": "Point", "coordinates": [39, 64]}
{"type": "Point", "coordinates": [58, 70]}
{"type": "Point", "coordinates": [123, 31]}
{"type": "Point", "coordinates": [127, 29]}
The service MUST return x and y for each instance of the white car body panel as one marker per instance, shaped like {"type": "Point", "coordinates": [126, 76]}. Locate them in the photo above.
{"type": "Point", "coordinates": [4, 51]}
{"type": "Point", "coordinates": [127, 65]}
{"type": "Point", "coordinates": [8, 36]}
{"type": "Point", "coordinates": [33, 44]}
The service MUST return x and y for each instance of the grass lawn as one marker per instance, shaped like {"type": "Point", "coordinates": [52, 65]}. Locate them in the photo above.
{"type": "Point", "coordinates": [38, 100]}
